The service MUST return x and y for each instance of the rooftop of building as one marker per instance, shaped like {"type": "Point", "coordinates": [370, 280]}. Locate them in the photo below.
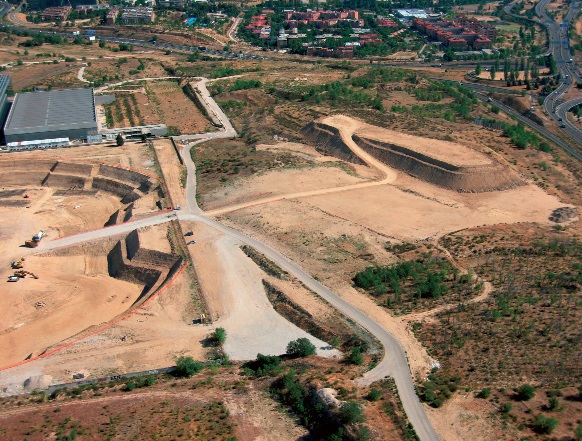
{"type": "Point", "coordinates": [52, 110]}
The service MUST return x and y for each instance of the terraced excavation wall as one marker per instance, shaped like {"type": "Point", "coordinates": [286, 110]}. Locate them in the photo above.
{"type": "Point", "coordinates": [120, 269]}
{"type": "Point", "coordinates": [152, 268]}
{"type": "Point", "coordinates": [328, 140]}
{"type": "Point", "coordinates": [67, 181]}
{"type": "Point", "coordinates": [117, 188]}
{"type": "Point", "coordinates": [485, 178]}
{"type": "Point", "coordinates": [73, 168]}
{"type": "Point", "coordinates": [20, 178]}
{"type": "Point", "coordinates": [124, 175]}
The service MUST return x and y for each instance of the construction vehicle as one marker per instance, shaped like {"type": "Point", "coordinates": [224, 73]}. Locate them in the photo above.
{"type": "Point", "coordinates": [35, 239]}
{"type": "Point", "coordinates": [17, 264]}
{"type": "Point", "coordinates": [22, 274]}
{"type": "Point", "coordinates": [38, 237]}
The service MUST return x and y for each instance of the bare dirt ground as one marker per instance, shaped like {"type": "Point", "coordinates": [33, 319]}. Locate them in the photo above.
{"type": "Point", "coordinates": [172, 169]}
{"type": "Point", "coordinates": [75, 293]}
{"type": "Point", "coordinates": [237, 301]}
{"type": "Point", "coordinates": [326, 172]}
{"type": "Point", "coordinates": [39, 312]}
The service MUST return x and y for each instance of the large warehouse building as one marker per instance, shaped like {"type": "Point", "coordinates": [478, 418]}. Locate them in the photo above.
{"type": "Point", "coordinates": [49, 119]}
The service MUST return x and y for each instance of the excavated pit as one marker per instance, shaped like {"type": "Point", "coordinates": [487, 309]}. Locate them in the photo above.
{"type": "Point", "coordinates": [130, 262]}
{"type": "Point", "coordinates": [71, 178]}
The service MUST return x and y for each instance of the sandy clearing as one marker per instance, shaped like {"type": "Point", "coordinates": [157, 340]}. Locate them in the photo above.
{"type": "Point", "coordinates": [73, 302]}
{"type": "Point", "coordinates": [234, 292]}
{"type": "Point", "coordinates": [171, 168]}
{"type": "Point", "coordinates": [280, 182]}
{"type": "Point", "coordinates": [462, 418]}
{"type": "Point", "coordinates": [408, 216]}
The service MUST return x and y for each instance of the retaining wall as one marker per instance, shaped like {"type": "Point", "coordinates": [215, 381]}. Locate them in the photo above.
{"type": "Point", "coordinates": [28, 164]}
{"type": "Point", "coordinates": [22, 178]}
{"type": "Point", "coordinates": [123, 175]}
{"type": "Point", "coordinates": [119, 269]}
{"type": "Point", "coordinates": [67, 181]}
{"type": "Point", "coordinates": [112, 219]}
{"type": "Point", "coordinates": [154, 257]}
{"type": "Point", "coordinates": [132, 244]}
{"type": "Point", "coordinates": [327, 140]}
{"type": "Point", "coordinates": [14, 202]}
{"type": "Point", "coordinates": [72, 168]}
{"type": "Point", "coordinates": [128, 212]}
{"type": "Point", "coordinates": [464, 179]}
{"type": "Point", "coordinates": [117, 188]}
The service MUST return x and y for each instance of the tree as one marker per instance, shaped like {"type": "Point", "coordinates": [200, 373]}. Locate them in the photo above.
{"type": "Point", "coordinates": [119, 140]}
{"type": "Point", "coordinates": [544, 425]}
{"type": "Point", "coordinates": [493, 72]}
{"type": "Point", "coordinates": [301, 347]}
{"type": "Point", "coordinates": [356, 357]}
{"type": "Point", "coordinates": [478, 69]}
{"type": "Point", "coordinates": [219, 335]}
{"type": "Point", "coordinates": [187, 366]}
{"type": "Point", "coordinates": [578, 432]}
{"type": "Point", "coordinates": [484, 393]}
{"type": "Point", "coordinates": [525, 392]}
{"type": "Point", "coordinates": [352, 413]}
{"type": "Point", "coordinates": [553, 404]}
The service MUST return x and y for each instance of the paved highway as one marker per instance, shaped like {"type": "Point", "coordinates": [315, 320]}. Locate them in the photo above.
{"type": "Point", "coordinates": [560, 48]}
{"type": "Point", "coordinates": [543, 131]}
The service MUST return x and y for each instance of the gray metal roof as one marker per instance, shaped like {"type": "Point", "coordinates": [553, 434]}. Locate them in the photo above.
{"type": "Point", "coordinates": [34, 112]}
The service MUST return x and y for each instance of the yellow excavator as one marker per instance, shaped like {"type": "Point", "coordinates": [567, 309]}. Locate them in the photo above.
{"type": "Point", "coordinates": [17, 264]}
{"type": "Point", "coordinates": [22, 274]}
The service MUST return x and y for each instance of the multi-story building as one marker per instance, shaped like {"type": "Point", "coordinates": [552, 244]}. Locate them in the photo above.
{"type": "Point", "coordinates": [322, 19]}
{"type": "Point", "coordinates": [111, 16]}
{"type": "Point", "coordinates": [456, 34]}
{"type": "Point", "coordinates": [138, 14]}
{"type": "Point", "coordinates": [339, 52]}
{"type": "Point", "coordinates": [58, 13]}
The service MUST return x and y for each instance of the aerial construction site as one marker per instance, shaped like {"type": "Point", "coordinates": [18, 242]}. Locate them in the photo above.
{"type": "Point", "coordinates": [371, 248]}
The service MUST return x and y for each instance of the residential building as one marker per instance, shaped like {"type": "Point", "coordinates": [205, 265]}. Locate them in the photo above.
{"type": "Point", "coordinates": [111, 16]}
{"type": "Point", "coordinates": [57, 13]}
{"type": "Point", "coordinates": [138, 14]}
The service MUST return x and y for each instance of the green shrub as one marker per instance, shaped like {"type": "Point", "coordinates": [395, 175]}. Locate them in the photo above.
{"type": "Point", "coordinates": [544, 425]}
{"type": "Point", "coordinates": [525, 392]}
{"type": "Point", "coordinates": [187, 366]}
{"type": "Point", "coordinates": [352, 413]}
{"type": "Point", "coordinates": [374, 394]}
{"type": "Point", "coordinates": [219, 336]}
{"type": "Point", "coordinates": [484, 393]}
{"type": "Point", "coordinates": [356, 357]}
{"type": "Point", "coordinates": [301, 347]}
